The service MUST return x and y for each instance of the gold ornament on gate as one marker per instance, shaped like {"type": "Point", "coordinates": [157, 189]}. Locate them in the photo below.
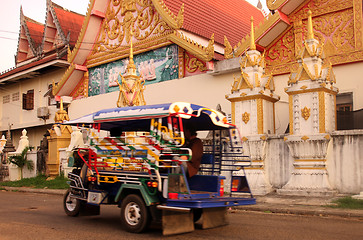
{"type": "Point", "coordinates": [246, 117]}
{"type": "Point", "coordinates": [305, 113]}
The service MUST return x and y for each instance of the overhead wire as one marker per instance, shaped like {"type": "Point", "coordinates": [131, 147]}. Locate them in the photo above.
{"type": "Point", "coordinates": [82, 42]}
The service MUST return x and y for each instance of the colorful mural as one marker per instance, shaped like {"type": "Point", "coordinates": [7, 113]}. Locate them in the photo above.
{"type": "Point", "coordinates": [155, 66]}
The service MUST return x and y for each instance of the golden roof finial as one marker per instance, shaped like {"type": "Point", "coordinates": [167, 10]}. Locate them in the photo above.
{"type": "Point", "coordinates": [61, 105]}
{"type": "Point", "coordinates": [310, 26]}
{"type": "Point", "coordinates": [61, 114]}
{"type": "Point", "coordinates": [252, 44]}
{"type": "Point", "coordinates": [131, 64]}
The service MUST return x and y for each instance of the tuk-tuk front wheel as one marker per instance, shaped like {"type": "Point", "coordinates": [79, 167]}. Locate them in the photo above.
{"type": "Point", "coordinates": [72, 206]}
{"type": "Point", "coordinates": [135, 216]}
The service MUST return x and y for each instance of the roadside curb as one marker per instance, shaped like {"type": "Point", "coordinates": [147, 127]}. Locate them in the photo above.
{"type": "Point", "coordinates": [303, 210]}
{"type": "Point", "coordinates": [36, 190]}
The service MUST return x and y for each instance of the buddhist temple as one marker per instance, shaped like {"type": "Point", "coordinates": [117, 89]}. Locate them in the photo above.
{"type": "Point", "coordinates": [290, 79]}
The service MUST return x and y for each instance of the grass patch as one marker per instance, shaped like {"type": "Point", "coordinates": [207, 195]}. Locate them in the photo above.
{"type": "Point", "coordinates": [348, 203]}
{"type": "Point", "coordinates": [59, 182]}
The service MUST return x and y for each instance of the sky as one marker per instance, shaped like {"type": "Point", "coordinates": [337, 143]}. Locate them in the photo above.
{"type": "Point", "coordinates": [35, 9]}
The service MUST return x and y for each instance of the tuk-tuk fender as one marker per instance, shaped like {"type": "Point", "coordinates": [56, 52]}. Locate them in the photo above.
{"type": "Point", "coordinates": [147, 197]}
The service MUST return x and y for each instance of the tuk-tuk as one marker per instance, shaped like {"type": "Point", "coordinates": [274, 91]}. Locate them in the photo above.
{"type": "Point", "coordinates": [133, 157]}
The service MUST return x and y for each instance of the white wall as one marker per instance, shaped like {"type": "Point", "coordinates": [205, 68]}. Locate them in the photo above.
{"type": "Point", "coordinates": [345, 162]}
{"type": "Point", "coordinates": [204, 89]}
{"type": "Point", "coordinates": [13, 112]}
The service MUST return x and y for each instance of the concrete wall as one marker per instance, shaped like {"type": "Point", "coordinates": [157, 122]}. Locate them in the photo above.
{"type": "Point", "coordinates": [344, 161]}
{"type": "Point", "coordinates": [206, 90]}
{"type": "Point", "coordinates": [278, 162]}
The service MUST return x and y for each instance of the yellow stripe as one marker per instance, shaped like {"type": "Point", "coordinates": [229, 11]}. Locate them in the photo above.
{"type": "Point", "coordinates": [310, 168]}
{"type": "Point", "coordinates": [310, 160]}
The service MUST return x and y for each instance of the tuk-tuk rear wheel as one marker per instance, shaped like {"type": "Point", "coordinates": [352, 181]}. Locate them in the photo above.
{"type": "Point", "coordinates": [72, 206]}
{"type": "Point", "coordinates": [135, 216]}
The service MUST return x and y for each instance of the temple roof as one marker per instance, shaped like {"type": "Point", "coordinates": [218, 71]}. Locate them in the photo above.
{"type": "Point", "coordinates": [70, 22]}
{"type": "Point", "coordinates": [269, 29]}
{"type": "Point", "coordinates": [205, 17]}
{"type": "Point", "coordinates": [35, 31]}
{"type": "Point", "coordinates": [30, 37]}
{"type": "Point", "coordinates": [40, 43]}
{"type": "Point", "coordinates": [196, 26]}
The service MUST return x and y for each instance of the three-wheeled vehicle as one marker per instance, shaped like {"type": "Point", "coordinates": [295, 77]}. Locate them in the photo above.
{"type": "Point", "coordinates": [137, 165]}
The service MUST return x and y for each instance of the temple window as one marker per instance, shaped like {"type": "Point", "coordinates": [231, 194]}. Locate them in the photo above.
{"type": "Point", "coordinates": [347, 118]}
{"type": "Point", "coordinates": [6, 99]}
{"type": "Point", "coordinates": [15, 97]}
{"type": "Point", "coordinates": [28, 100]}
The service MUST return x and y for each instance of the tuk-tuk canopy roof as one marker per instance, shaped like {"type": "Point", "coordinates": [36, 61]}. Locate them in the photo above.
{"type": "Point", "coordinates": [138, 118]}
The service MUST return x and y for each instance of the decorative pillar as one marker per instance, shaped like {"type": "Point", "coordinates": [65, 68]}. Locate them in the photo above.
{"type": "Point", "coordinates": [23, 143]}
{"type": "Point", "coordinates": [60, 137]}
{"type": "Point", "coordinates": [4, 171]}
{"type": "Point", "coordinates": [253, 112]}
{"type": "Point", "coordinates": [8, 148]}
{"type": "Point", "coordinates": [312, 110]}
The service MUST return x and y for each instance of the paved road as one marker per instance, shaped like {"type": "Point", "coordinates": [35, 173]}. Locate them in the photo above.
{"type": "Point", "coordinates": [40, 216]}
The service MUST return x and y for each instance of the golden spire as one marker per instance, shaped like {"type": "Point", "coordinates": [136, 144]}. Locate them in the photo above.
{"type": "Point", "coordinates": [61, 105]}
{"type": "Point", "coordinates": [252, 44]}
{"type": "Point", "coordinates": [131, 86]}
{"type": "Point", "coordinates": [310, 26]}
{"type": "Point", "coordinates": [131, 64]}
{"type": "Point", "coordinates": [61, 114]}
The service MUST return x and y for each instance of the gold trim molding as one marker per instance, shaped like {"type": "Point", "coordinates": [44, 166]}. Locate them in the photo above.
{"type": "Point", "coordinates": [305, 138]}
{"type": "Point", "coordinates": [251, 97]}
{"type": "Point", "coordinates": [228, 50]}
{"type": "Point", "coordinates": [204, 53]}
{"type": "Point", "coordinates": [72, 54]}
{"type": "Point", "coordinates": [321, 112]}
{"type": "Point", "coordinates": [176, 22]}
{"type": "Point", "coordinates": [319, 90]}
{"type": "Point", "coordinates": [192, 64]}
{"type": "Point", "coordinates": [260, 116]}
{"type": "Point", "coordinates": [274, 4]}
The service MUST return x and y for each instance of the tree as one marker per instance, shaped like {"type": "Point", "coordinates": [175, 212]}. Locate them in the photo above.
{"type": "Point", "coordinates": [21, 160]}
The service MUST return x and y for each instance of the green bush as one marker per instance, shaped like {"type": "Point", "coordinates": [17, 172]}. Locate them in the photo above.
{"type": "Point", "coordinates": [21, 161]}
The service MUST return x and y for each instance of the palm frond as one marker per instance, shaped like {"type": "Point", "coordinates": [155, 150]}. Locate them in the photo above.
{"type": "Point", "coordinates": [21, 160]}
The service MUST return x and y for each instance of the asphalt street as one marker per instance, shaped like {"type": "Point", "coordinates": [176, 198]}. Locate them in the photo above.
{"type": "Point", "coordinates": [41, 216]}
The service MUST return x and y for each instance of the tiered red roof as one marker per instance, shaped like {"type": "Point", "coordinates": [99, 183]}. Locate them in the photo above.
{"type": "Point", "coordinates": [36, 31]}
{"type": "Point", "coordinates": [69, 22]}
{"type": "Point", "coordinates": [32, 36]}
{"type": "Point", "coordinates": [205, 17]}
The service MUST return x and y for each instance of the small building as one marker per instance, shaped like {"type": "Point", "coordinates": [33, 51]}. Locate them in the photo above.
{"type": "Point", "coordinates": [40, 61]}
